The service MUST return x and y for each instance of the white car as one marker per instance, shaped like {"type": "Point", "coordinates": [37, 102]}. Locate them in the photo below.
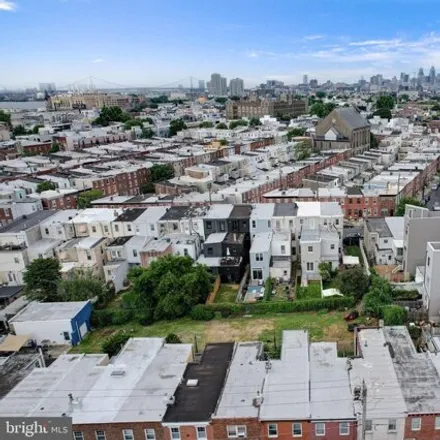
{"type": "Point", "coordinates": [436, 206]}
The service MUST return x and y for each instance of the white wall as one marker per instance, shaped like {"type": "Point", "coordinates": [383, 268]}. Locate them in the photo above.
{"type": "Point", "coordinates": [41, 330]}
{"type": "Point", "coordinates": [380, 430]}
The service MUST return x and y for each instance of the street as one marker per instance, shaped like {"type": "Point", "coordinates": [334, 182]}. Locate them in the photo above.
{"type": "Point", "coordinates": [434, 196]}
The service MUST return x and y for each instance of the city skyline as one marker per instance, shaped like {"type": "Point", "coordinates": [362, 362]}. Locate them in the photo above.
{"type": "Point", "coordinates": [156, 44]}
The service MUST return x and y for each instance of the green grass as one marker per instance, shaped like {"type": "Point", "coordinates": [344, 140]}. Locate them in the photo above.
{"type": "Point", "coordinates": [322, 326]}
{"type": "Point", "coordinates": [313, 290]}
{"type": "Point", "coordinates": [354, 251]}
{"type": "Point", "coordinates": [227, 293]}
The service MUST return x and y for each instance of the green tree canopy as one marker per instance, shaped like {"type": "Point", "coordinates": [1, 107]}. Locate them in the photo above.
{"type": "Point", "coordinates": [81, 287]}
{"type": "Point", "coordinates": [404, 98]}
{"type": "Point", "coordinates": [160, 172]}
{"type": "Point", "coordinates": [320, 95]}
{"type": "Point", "coordinates": [146, 133]}
{"type": "Point", "coordinates": [221, 126]}
{"type": "Point", "coordinates": [5, 117]}
{"type": "Point", "coordinates": [19, 130]}
{"type": "Point", "coordinates": [383, 113]}
{"type": "Point", "coordinates": [302, 151]}
{"type": "Point", "coordinates": [133, 123]}
{"type": "Point", "coordinates": [220, 100]}
{"type": "Point", "coordinates": [206, 124]}
{"type": "Point", "coordinates": [354, 282]}
{"type": "Point", "coordinates": [85, 199]}
{"type": "Point", "coordinates": [55, 147]}
{"type": "Point", "coordinates": [41, 279]}
{"type": "Point", "coordinates": [237, 123]}
{"type": "Point", "coordinates": [170, 286]}
{"type": "Point", "coordinates": [111, 114]}
{"type": "Point", "coordinates": [223, 142]}
{"type": "Point", "coordinates": [321, 110]}
{"type": "Point", "coordinates": [176, 125]}
{"type": "Point", "coordinates": [385, 101]}
{"type": "Point", "coordinates": [45, 186]}
{"type": "Point", "coordinates": [400, 211]}
{"type": "Point", "coordinates": [293, 132]}
{"type": "Point", "coordinates": [254, 122]}
{"type": "Point", "coordinates": [379, 295]}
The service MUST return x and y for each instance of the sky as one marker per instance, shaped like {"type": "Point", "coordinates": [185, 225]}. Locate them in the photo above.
{"type": "Point", "coordinates": [161, 42]}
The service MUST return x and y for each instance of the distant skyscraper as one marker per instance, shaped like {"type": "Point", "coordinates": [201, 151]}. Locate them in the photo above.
{"type": "Point", "coordinates": [305, 79]}
{"type": "Point", "coordinates": [201, 85]}
{"type": "Point", "coordinates": [218, 85]}
{"type": "Point", "coordinates": [432, 75]}
{"type": "Point", "coordinates": [236, 87]}
{"type": "Point", "coordinates": [420, 76]}
{"type": "Point", "coordinates": [47, 87]}
{"type": "Point", "coordinates": [313, 83]}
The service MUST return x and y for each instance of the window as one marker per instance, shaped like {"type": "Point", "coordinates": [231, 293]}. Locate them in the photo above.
{"type": "Point", "coordinates": [283, 249]}
{"type": "Point", "coordinates": [127, 434]}
{"type": "Point", "coordinates": [135, 253]}
{"type": "Point", "coordinates": [116, 228]}
{"type": "Point", "coordinates": [150, 434]}
{"type": "Point", "coordinates": [259, 257]}
{"type": "Point", "coordinates": [210, 251]}
{"type": "Point", "coordinates": [268, 224]}
{"type": "Point", "coordinates": [392, 425]}
{"type": "Point", "coordinates": [201, 432]}
{"type": "Point", "coordinates": [350, 201]}
{"type": "Point", "coordinates": [129, 228]}
{"type": "Point", "coordinates": [272, 430]}
{"type": "Point", "coordinates": [320, 429]}
{"type": "Point", "coordinates": [46, 231]}
{"type": "Point", "coordinates": [301, 221]}
{"type": "Point", "coordinates": [290, 224]}
{"type": "Point", "coordinates": [332, 247]}
{"type": "Point", "coordinates": [254, 224]}
{"type": "Point", "coordinates": [344, 428]}
{"type": "Point", "coordinates": [310, 267]}
{"type": "Point", "coordinates": [78, 435]}
{"type": "Point", "coordinates": [175, 433]}
{"type": "Point", "coordinates": [185, 252]}
{"type": "Point", "coordinates": [368, 425]}
{"type": "Point", "coordinates": [93, 228]}
{"type": "Point", "coordinates": [416, 424]}
{"type": "Point", "coordinates": [221, 226]}
{"type": "Point", "coordinates": [337, 221]}
{"type": "Point", "coordinates": [385, 241]}
{"type": "Point", "coordinates": [236, 431]}
{"type": "Point", "coordinates": [208, 225]}
{"type": "Point", "coordinates": [16, 260]}
{"type": "Point", "coordinates": [257, 274]}
{"type": "Point", "coordinates": [106, 229]}
{"type": "Point", "coordinates": [109, 273]}
{"type": "Point", "coordinates": [310, 248]}
{"type": "Point", "coordinates": [66, 336]}
{"type": "Point", "coordinates": [297, 430]}
{"type": "Point", "coordinates": [437, 423]}
{"type": "Point", "coordinates": [429, 261]}
{"type": "Point", "coordinates": [100, 435]}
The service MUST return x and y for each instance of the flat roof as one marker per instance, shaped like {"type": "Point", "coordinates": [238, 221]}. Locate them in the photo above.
{"type": "Point", "coordinates": [285, 210]}
{"type": "Point", "coordinates": [217, 237]}
{"type": "Point", "coordinates": [396, 225]}
{"type": "Point", "coordinates": [241, 211]}
{"type": "Point", "coordinates": [120, 241]}
{"type": "Point", "coordinates": [130, 214]}
{"type": "Point", "coordinates": [51, 311]}
{"type": "Point", "coordinates": [197, 403]}
{"type": "Point", "coordinates": [27, 221]}
{"type": "Point", "coordinates": [262, 211]}
{"type": "Point", "coordinates": [219, 211]}
{"type": "Point", "coordinates": [9, 291]}
{"type": "Point", "coordinates": [261, 242]}
{"type": "Point", "coordinates": [379, 226]}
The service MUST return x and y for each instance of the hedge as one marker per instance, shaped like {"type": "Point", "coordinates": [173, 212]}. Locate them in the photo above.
{"type": "Point", "coordinates": [260, 308]}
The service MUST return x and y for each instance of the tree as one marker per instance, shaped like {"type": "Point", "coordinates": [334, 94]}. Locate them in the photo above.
{"type": "Point", "coordinates": [385, 101]}
{"type": "Point", "coordinates": [320, 95]}
{"type": "Point", "coordinates": [55, 147]}
{"type": "Point", "coordinates": [237, 123]}
{"type": "Point", "coordinates": [85, 199]}
{"type": "Point", "coordinates": [404, 98]}
{"type": "Point", "coordinates": [254, 122]}
{"type": "Point", "coordinates": [400, 211]}
{"type": "Point", "coordinates": [322, 110]}
{"type": "Point", "coordinates": [41, 279]}
{"type": "Point", "coordinates": [379, 295]}
{"type": "Point", "coordinates": [302, 151]}
{"type": "Point", "coordinates": [354, 282]}
{"type": "Point", "coordinates": [221, 126]}
{"type": "Point", "coordinates": [36, 129]}
{"type": "Point", "coordinates": [149, 120]}
{"type": "Point", "coordinates": [161, 172]}
{"type": "Point", "coordinates": [220, 100]}
{"type": "Point", "coordinates": [146, 133]}
{"type": "Point", "coordinates": [176, 125]}
{"type": "Point", "coordinates": [383, 113]}
{"type": "Point", "coordinates": [114, 343]}
{"type": "Point", "coordinates": [206, 124]}
{"type": "Point", "coordinates": [45, 186]}
{"type": "Point", "coordinates": [374, 143]}
{"type": "Point", "coordinates": [133, 123]}
{"type": "Point", "coordinates": [297, 131]}
{"type": "Point", "coordinates": [6, 117]}
{"type": "Point", "coordinates": [394, 315]}
{"type": "Point", "coordinates": [147, 188]}
{"type": "Point", "coordinates": [19, 130]}
{"type": "Point", "coordinates": [326, 271]}
{"type": "Point", "coordinates": [172, 338]}
{"type": "Point", "coordinates": [83, 286]}
{"type": "Point", "coordinates": [223, 142]}
{"type": "Point", "coordinates": [171, 286]}
{"type": "Point", "coordinates": [111, 114]}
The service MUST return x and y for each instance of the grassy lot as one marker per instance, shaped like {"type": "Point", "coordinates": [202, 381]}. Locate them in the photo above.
{"type": "Point", "coordinates": [322, 326]}
{"type": "Point", "coordinates": [227, 293]}
{"type": "Point", "coordinates": [313, 290]}
{"type": "Point", "coordinates": [354, 251]}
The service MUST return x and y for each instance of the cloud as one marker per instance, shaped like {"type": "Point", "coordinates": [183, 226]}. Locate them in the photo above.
{"type": "Point", "coordinates": [314, 37]}
{"type": "Point", "coordinates": [375, 43]}
{"type": "Point", "coordinates": [98, 60]}
{"type": "Point", "coordinates": [8, 6]}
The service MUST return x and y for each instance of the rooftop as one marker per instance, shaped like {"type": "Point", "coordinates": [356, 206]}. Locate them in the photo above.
{"type": "Point", "coordinates": [352, 117]}
{"type": "Point", "coordinates": [286, 210]}
{"type": "Point", "coordinates": [378, 226]}
{"type": "Point", "coordinates": [9, 291]}
{"type": "Point", "coordinates": [120, 241]}
{"type": "Point", "coordinates": [219, 211]}
{"type": "Point", "coordinates": [27, 221]}
{"type": "Point", "coordinates": [261, 242]}
{"type": "Point", "coordinates": [197, 395]}
{"type": "Point", "coordinates": [217, 237]}
{"type": "Point", "coordinates": [54, 311]}
{"type": "Point", "coordinates": [129, 215]}
{"type": "Point", "coordinates": [241, 211]}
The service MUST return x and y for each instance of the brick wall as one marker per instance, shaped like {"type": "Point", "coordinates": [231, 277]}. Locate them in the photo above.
{"type": "Point", "coordinates": [427, 429]}
{"type": "Point", "coordinates": [113, 431]}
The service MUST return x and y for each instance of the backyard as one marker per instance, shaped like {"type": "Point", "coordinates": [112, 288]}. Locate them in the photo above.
{"type": "Point", "coordinates": [322, 326]}
{"type": "Point", "coordinates": [227, 293]}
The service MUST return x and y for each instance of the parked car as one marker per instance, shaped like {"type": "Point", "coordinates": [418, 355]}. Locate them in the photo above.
{"type": "Point", "coordinates": [436, 206]}
{"type": "Point", "coordinates": [352, 316]}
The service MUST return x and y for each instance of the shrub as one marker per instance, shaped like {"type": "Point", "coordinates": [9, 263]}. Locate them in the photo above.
{"type": "Point", "coordinates": [144, 317]}
{"type": "Point", "coordinates": [406, 295]}
{"type": "Point", "coordinates": [114, 343]}
{"type": "Point", "coordinates": [172, 338]}
{"type": "Point", "coordinates": [121, 316]}
{"type": "Point", "coordinates": [225, 313]}
{"type": "Point", "coordinates": [102, 318]}
{"type": "Point", "coordinates": [394, 315]}
{"type": "Point", "coordinates": [200, 313]}
{"type": "Point", "coordinates": [268, 288]}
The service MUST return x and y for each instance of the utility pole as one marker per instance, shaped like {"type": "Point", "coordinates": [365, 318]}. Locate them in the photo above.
{"type": "Point", "coordinates": [364, 410]}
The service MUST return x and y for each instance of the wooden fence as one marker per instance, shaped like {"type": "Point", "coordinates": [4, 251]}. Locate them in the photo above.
{"type": "Point", "coordinates": [211, 297]}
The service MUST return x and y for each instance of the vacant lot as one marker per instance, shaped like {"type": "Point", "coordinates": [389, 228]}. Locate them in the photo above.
{"type": "Point", "coordinates": [322, 326]}
{"type": "Point", "coordinates": [227, 293]}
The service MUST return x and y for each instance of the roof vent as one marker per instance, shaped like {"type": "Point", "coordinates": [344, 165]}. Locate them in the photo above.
{"type": "Point", "coordinates": [117, 373]}
{"type": "Point", "coordinates": [192, 382]}
{"type": "Point", "coordinates": [170, 400]}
